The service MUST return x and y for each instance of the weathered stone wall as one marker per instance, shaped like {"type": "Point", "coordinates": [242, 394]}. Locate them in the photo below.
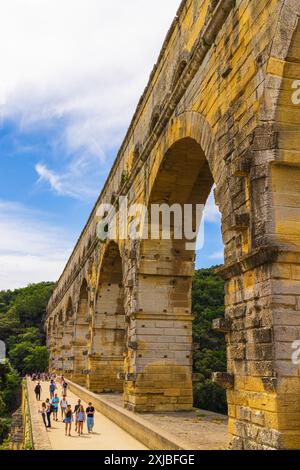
{"type": "Point", "coordinates": [218, 110]}
{"type": "Point", "coordinates": [16, 438]}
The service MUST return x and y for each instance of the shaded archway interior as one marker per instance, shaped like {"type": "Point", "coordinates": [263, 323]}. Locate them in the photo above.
{"type": "Point", "coordinates": [81, 334]}
{"type": "Point", "coordinates": [161, 330]}
{"type": "Point", "coordinates": [108, 326]}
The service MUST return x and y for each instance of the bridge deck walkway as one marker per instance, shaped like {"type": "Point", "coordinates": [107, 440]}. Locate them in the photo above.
{"type": "Point", "coordinates": [106, 436]}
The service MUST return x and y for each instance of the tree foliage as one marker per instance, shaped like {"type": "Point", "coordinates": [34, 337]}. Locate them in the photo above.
{"type": "Point", "coordinates": [22, 315]}
{"type": "Point", "coordinates": [9, 396]}
{"type": "Point", "coordinates": [210, 353]}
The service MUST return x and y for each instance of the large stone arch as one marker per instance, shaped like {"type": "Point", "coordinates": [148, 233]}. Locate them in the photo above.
{"type": "Point", "coordinates": [60, 336]}
{"type": "Point", "coordinates": [81, 334]}
{"type": "Point", "coordinates": [68, 339]}
{"type": "Point", "coordinates": [50, 334]}
{"type": "Point", "coordinates": [160, 329]}
{"type": "Point", "coordinates": [108, 324]}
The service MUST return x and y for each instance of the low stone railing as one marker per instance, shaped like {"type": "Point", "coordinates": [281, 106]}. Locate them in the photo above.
{"type": "Point", "coordinates": [27, 429]}
{"type": "Point", "coordinates": [35, 434]}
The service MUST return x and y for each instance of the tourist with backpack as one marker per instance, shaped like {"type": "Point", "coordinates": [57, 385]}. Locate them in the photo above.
{"type": "Point", "coordinates": [55, 403]}
{"type": "Point", "coordinates": [52, 388]}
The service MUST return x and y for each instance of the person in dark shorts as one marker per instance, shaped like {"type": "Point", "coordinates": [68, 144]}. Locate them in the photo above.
{"type": "Point", "coordinates": [68, 420]}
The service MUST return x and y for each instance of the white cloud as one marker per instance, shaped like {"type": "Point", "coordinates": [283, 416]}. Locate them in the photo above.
{"type": "Point", "coordinates": [48, 175]}
{"type": "Point", "coordinates": [31, 247]}
{"type": "Point", "coordinates": [217, 255]}
{"type": "Point", "coordinates": [83, 64]}
{"type": "Point", "coordinates": [211, 210]}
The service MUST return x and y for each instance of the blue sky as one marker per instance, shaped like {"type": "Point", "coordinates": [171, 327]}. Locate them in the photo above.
{"type": "Point", "coordinates": [71, 75]}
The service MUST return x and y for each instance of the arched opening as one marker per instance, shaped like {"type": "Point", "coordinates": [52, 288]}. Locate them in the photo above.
{"type": "Point", "coordinates": [209, 345]}
{"type": "Point", "coordinates": [69, 337]}
{"type": "Point", "coordinates": [60, 345]}
{"type": "Point", "coordinates": [108, 327]}
{"type": "Point", "coordinates": [161, 331]}
{"type": "Point", "coordinates": [53, 358]}
{"type": "Point", "coordinates": [50, 340]}
{"type": "Point", "coordinates": [81, 336]}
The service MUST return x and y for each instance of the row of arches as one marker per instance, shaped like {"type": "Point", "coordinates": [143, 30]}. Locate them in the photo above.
{"type": "Point", "coordinates": [86, 341]}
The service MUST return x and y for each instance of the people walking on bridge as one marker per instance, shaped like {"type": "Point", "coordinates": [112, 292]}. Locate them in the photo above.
{"type": "Point", "coordinates": [55, 403]}
{"type": "Point", "coordinates": [90, 413]}
{"type": "Point", "coordinates": [52, 388]}
{"type": "Point", "coordinates": [63, 406]}
{"type": "Point", "coordinates": [68, 420]}
{"type": "Point", "coordinates": [37, 391]}
{"type": "Point", "coordinates": [80, 419]}
{"type": "Point", "coordinates": [43, 412]}
{"type": "Point", "coordinates": [76, 408]}
{"type": "Point", "coordinates": [48, 413]}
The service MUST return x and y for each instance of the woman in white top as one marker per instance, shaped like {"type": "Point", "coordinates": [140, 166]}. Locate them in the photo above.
{"type": "Point", "coordinates": [63, 406]}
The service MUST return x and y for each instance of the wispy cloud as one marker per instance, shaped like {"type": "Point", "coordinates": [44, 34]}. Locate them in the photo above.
{"type": "Point", "coordinates": [53, 179]}
{"type": "Point", "coordinates": [211, 210]}
{"type": "Point", "coordinates": [82, 64]}
{"type": "Point", "coordinates": [31, 247]}
{"type": "Point", "coordinates": [216, 255]}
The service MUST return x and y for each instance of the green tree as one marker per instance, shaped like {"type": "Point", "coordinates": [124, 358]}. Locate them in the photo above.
{"type": "Point", "coordinates": [9, 397]}
{"type": "Point", "coordinates": [27, 357]}
{"type": "Point", "coordinates": [210, 348]}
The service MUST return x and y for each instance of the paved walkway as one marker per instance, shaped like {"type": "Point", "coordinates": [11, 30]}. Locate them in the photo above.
{"type": "Point", "coordinates": [106, 435]}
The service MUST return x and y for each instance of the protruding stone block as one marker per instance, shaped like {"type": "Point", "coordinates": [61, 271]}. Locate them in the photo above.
{"type": "Point", "coordinates": [223, 379]}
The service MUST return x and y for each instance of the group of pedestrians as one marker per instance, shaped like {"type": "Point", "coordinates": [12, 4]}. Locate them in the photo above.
{"type": "Point", "coordinates": [41, 376]}
{"type": "Point", "coordinates": [51, 406]}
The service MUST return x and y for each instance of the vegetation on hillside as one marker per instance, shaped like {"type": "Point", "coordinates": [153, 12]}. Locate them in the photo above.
{"type": "Point", "coordinates": [9, 396]}
{"type": "Point", "coordinates": [22, 314]}
{"type": "Point", "coordinates": [210, 353]}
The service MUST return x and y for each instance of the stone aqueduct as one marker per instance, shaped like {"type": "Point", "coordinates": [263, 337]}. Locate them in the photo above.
{"type": "Point", "coordinates": [221, 108]}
